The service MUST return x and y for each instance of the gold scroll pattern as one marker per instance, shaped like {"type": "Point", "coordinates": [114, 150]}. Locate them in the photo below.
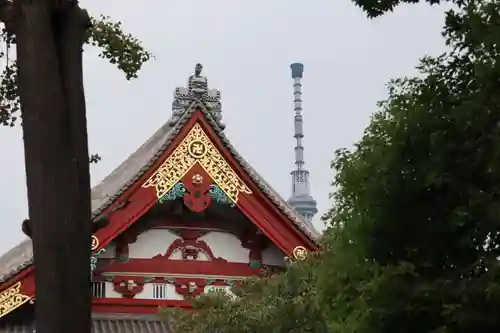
{"type": "Point", "coordinates": [11, 299]}
{"type": "Point", "coordinates": [197, 148]}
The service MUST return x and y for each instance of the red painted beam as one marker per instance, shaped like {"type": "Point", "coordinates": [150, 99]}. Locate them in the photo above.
{"type": "Point", "coordinates": [161, 265]}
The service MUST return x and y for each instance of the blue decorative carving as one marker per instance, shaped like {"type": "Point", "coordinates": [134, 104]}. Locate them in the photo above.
{"type": "Point", "coordinates": [219, 196]}
{"type": "Point", "coordinates": [177, 191]}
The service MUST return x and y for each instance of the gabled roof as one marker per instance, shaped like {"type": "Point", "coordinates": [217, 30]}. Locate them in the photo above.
{"type": "Point", "coordinates": [109, 323]}
{"type": "Point", "coordinates": [136, 165]}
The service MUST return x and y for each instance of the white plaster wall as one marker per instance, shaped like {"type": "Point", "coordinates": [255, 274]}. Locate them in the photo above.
{"type": "Point", "coordinates": [226, 246]}
{"type": "Point", "coordinates": [147, 292]}
{"type": "Point", "coordinates": [273, 256]}
{"type": "Point", "coordinates": [171, 294]}
{"type": "Point", "coordinates": [110, 252]}
{"type": "Point", "coordinates": [151, 243]}
{"type": "Point", "coordinates": [176, 255]}
{"type": "Point", "coordinates": [110, 291]}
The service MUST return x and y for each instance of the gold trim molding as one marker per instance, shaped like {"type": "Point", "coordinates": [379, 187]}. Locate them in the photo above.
{"type": "Point", "coordinates": [11, 299]}
{"type": "Point", "coordinates": [197, 148]}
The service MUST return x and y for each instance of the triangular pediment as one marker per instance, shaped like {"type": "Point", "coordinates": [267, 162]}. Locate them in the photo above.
{"type": "Point", "coordinates": [196, 148]}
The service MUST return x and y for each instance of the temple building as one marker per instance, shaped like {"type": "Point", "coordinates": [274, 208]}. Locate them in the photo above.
{"type": "Point", "coordinates": [187, 215]}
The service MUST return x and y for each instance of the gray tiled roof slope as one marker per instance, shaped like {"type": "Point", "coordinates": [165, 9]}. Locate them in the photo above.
{"type": "Point", "coordinates": [133, 168]}
{"type": "Point", "coordinates": [109, 324]}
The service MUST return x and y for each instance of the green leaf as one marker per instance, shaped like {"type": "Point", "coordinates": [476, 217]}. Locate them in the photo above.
{"type": "Point", "coordinates": [118, 47]}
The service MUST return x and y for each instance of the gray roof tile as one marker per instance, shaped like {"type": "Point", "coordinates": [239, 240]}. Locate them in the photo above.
{"type": "Point", "coordinates": [108, 324]}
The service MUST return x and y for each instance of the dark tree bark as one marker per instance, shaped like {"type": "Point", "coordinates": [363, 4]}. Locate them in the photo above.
{"type": "Point", "coordinates": [49, 38]}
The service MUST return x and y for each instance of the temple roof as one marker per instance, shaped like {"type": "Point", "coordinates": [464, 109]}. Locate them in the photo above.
{"type": "Point", "coordinates": [109, 323]}
{"type": "Point", "coordinates": [126, 174]}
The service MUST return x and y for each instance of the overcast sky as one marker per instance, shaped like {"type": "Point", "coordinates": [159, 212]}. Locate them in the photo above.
{"type": "Point", "coordinates": [246, 48]}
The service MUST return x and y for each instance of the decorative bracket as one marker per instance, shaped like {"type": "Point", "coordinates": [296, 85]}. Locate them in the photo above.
{"type": "Point", "coordinates": [128, 288]}
{"type": "Point", "coordinates": [214, 191]}
{"type": "Point", "coordinates": [94, 258]}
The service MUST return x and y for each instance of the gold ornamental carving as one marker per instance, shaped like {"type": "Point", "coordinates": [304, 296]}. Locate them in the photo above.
{"type": "Point", "coordinates": [299, 253]}
{"type": "Point", "coordinates": [197, 148]}
{"type": "Point", "coordinates": [94, 243]}
{"type": "Point", "coordinates": [11, 299]}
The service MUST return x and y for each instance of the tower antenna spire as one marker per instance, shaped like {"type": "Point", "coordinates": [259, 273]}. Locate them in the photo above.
{"type": "Point", "coordinates": [301, 199]}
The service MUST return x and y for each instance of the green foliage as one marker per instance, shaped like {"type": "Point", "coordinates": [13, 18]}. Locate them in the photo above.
{"type": "Point", "coordinates": [414, 236]}
{"type": "Point", "coordinates": [10, 104]}
{"type": "Point", "coordinates": [121, 49]}
{"type": "Point", "coordinates": [281, 303]}
{"type": "Point", "coordinates": [95, 158]}
{"type": "Point", "coordinates": [416, 219]}
{"type": "Point", "coordinates": [375, 8]}
{"type": "Point", "coordinates": [118, 47]}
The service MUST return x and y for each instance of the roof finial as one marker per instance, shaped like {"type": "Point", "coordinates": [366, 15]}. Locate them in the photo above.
{"type": "Point", "coordinates": [197, 90]}
{"type": "Point", "coordinates": [197, 69]}
{"type": "Point", "coordinates": [198, 84]}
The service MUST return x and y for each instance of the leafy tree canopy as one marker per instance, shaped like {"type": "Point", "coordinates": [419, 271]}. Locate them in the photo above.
{"type": "Point", "coordinates": [280, 303]}
{"type": "Point", "coordinates": [374, 8]}
{"type": "Point", "coordinates": [416, 218]}
{"type": "Point", "coordinates": [118, 47]}
{"type": "Point", "coordinates": [413, 242]}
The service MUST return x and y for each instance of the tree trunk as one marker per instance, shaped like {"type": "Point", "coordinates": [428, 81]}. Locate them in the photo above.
{"type": "Point", "coordinates": [71, 26]}
{"type": "Point", "coordinates": [49, 51]}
